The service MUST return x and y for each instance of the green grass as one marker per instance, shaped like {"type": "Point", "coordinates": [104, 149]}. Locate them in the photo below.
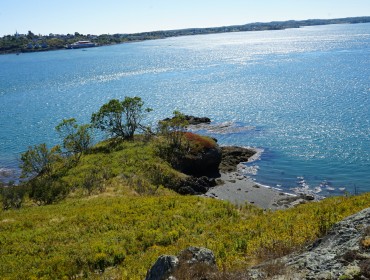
{"type": "Point", "coordinates": [133, 163]}
{"type": "Point", "coordinates": [118, 230]}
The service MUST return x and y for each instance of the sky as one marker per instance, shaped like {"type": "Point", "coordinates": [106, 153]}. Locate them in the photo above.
{"type": "Point", "coordinates": [131, 16]}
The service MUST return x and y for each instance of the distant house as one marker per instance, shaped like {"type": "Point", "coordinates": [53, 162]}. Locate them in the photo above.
{"type": "Point", "coordinates": [29, 46]}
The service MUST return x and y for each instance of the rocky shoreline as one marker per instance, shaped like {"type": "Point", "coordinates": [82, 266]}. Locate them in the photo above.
{"type": "Point", "coordinates": [235, 187]}
{"type": "Point", "coordinates": [219, 173]}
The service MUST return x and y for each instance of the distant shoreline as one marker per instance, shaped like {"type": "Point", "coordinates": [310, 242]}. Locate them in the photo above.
{"type": "Point", "coordinates": [48, 43]}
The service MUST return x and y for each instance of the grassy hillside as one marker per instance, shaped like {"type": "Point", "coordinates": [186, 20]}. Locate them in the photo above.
{"type": "Point", "coordinates": [117, 219]}
{"type": "Point", "coordinates": [120, 236]}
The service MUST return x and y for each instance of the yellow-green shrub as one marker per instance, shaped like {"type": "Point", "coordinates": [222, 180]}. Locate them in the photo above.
{"type": "Point", "coordinates": [87, 236]}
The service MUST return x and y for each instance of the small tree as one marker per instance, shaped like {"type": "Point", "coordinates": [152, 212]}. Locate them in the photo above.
{"type": "Point", "coordinates": [77, 139]}
{"type": "Point", "coordinates": [120, 118]}
{"type": "Point", "coordinates": [173, 130]}
{"type": "Point", "coordinates": [38, 160]}
{"type": "Point", "coordinates": [38, 164]}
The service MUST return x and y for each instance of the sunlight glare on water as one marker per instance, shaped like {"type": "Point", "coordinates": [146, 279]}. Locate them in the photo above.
{"type": "Point", "coordinates": [305, 93]}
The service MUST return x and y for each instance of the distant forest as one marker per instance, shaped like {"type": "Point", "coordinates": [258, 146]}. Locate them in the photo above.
{"type": "Point", "coordinates": [30, 42]}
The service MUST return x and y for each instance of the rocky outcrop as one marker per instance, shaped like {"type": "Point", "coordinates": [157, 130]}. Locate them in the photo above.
{"type": "Point", "coordinates": [204, 163]}
{"type": "Point", "coordinates": [344, 253]}
{"type": "Point", "coordinates": [192, 120]}
{"type": "Point", "coordinates": [197, 120]}
{"type": "Point", "coordinates": [232, 156]}
{"type": "Point", "coordinates": [195, 185]}
{"type": "Point", "coordinates": [203, 167]}
{"type": "Point", "coordinates": [190, 262]}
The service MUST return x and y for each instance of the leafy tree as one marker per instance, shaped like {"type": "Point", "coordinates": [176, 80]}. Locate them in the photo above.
{"type": "Point", "coordinates": [121, 118]}
{"type": "Point", "coordinates": [38, 160]}
{"type": "Point", "coordinates": [173, 131]}
{"type": "Point", "coordinates": [77, 139]}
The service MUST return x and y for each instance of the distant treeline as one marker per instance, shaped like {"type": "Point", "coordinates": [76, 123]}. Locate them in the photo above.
{"type": "Point", "coordinates": [30, 42]}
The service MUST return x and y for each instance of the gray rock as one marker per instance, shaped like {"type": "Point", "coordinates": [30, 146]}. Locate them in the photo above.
{"type": "Point", "coordinates": [166, 267]}
{"type": "Point", "coordinates": [194, 255]}
{"type": "Point", "coordinates": [163, 268]}
{"type": "Point", "coordinates": [338, 253]}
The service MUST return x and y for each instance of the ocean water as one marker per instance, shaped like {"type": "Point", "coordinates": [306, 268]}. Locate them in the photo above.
{"type": "Point", "coordinates": [299, 95]}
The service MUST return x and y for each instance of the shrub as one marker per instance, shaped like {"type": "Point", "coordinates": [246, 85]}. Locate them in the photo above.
{"type": "Point", "coordinates": [197, 142]}
{"type": "Point", "coordinates": [93, 181]}
{"type": "Point", "coordinates": [12, 196]}
{"type": "Point", "coordinates": [77, 139]}
{"type": "Point", "coordinates": [47, 190]}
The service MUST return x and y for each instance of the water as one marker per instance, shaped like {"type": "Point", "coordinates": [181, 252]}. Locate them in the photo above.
{"type": "Point", "coordinates": [301, 95]}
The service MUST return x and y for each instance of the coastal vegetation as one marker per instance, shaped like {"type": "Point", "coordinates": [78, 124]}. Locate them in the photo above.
{"type": "Point", "coordinates": [31, 42]}
{"type": "Point", "coordinates": [107, 211]}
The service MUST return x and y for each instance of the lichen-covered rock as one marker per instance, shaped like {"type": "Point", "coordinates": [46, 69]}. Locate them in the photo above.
{"type": "Point", "coordinates": [194, 255]}
{"type": "Point", "coordinates": [340, 253]}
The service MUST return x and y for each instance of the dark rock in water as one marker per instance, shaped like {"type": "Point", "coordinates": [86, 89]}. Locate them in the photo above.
{"type": "Point", "coordinates": [197, 120]}
{"type": "Point", "coordinates": [232, 156]}
{"type": "Point", "coordinates": [189, 262]}
{"type": "Point", "coordinates": [192, 120]}
{"type": "Point", "coordinates": [194, 185]}
{"type": "Point", "coordinates": [163, 268]}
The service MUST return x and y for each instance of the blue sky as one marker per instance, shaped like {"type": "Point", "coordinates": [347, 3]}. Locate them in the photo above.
{"type": "Point", "coordinates": [129, 16]}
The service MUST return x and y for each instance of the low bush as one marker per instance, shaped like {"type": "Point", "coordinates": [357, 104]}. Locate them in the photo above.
{"type": "Point", "coordinates": [12, 196]}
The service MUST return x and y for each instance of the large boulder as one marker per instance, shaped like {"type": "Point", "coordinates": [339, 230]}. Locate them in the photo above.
{"type": "Point", "coordinates": [162, 268]}
{"type": "Point", "coordinates": [343, 252]}
{"type": "Point", "coordinates": [194, 255]}
{"type": "Point", "coordinates": [192, 262]}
